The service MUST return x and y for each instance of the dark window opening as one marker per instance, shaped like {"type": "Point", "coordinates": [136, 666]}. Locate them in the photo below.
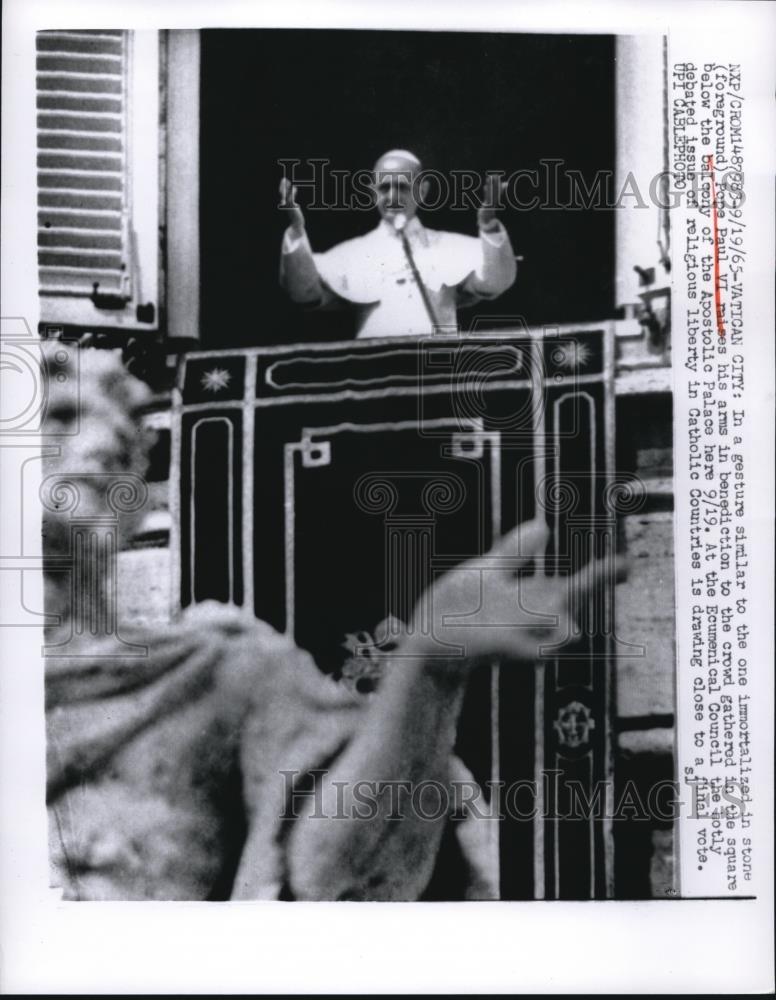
{"type": "Point", "coordinates": [461, 101]}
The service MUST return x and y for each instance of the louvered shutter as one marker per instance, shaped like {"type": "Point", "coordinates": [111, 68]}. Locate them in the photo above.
{"type": "Point", "coordinates": [87, 119]}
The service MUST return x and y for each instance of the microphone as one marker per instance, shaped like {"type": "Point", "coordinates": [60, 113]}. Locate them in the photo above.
{"type": "Point", "coordinates": [399, 221]}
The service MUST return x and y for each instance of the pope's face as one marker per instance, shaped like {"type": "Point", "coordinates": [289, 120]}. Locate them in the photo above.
{"type": "Point", "coordinates": [395, 194]}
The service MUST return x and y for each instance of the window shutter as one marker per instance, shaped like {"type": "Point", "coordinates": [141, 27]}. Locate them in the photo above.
{"type": "Point", "coordinates": [87, 122]}
{"type": "Point", "coordinates": [82, 218]}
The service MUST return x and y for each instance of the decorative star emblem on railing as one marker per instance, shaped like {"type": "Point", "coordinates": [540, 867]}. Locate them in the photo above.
{"type": "Point", "coordinates": [215, 380]}
{"type": "Point", "coordinates": [571, 355]}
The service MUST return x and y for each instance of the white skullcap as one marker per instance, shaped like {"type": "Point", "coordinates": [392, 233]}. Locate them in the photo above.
{"type": "Point", "coordinates": [397, 159]}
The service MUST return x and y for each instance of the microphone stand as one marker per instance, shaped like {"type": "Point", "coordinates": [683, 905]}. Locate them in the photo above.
{"type": "Point", "coordinates": [399, 222]}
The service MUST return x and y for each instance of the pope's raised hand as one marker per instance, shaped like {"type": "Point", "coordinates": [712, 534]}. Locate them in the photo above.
{"type": "Point", "coordinates": [289, 206]}
{"type": "Point", "coordinates": [486, 213]}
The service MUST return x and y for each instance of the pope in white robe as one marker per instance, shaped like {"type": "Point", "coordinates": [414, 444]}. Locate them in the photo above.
{"type": "Point", "coordinates": [401, 278]}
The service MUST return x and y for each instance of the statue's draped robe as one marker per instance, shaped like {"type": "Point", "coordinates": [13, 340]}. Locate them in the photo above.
{"type": "Point", "coordinates": [170, 775]}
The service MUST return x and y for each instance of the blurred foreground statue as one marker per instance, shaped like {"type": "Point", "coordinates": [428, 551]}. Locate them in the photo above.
{"type": "Point", "coordinates": [211, 759]}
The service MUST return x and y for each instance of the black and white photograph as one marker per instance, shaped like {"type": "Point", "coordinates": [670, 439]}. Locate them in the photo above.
{"type": "Point", "coordinates": [394, 522]}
